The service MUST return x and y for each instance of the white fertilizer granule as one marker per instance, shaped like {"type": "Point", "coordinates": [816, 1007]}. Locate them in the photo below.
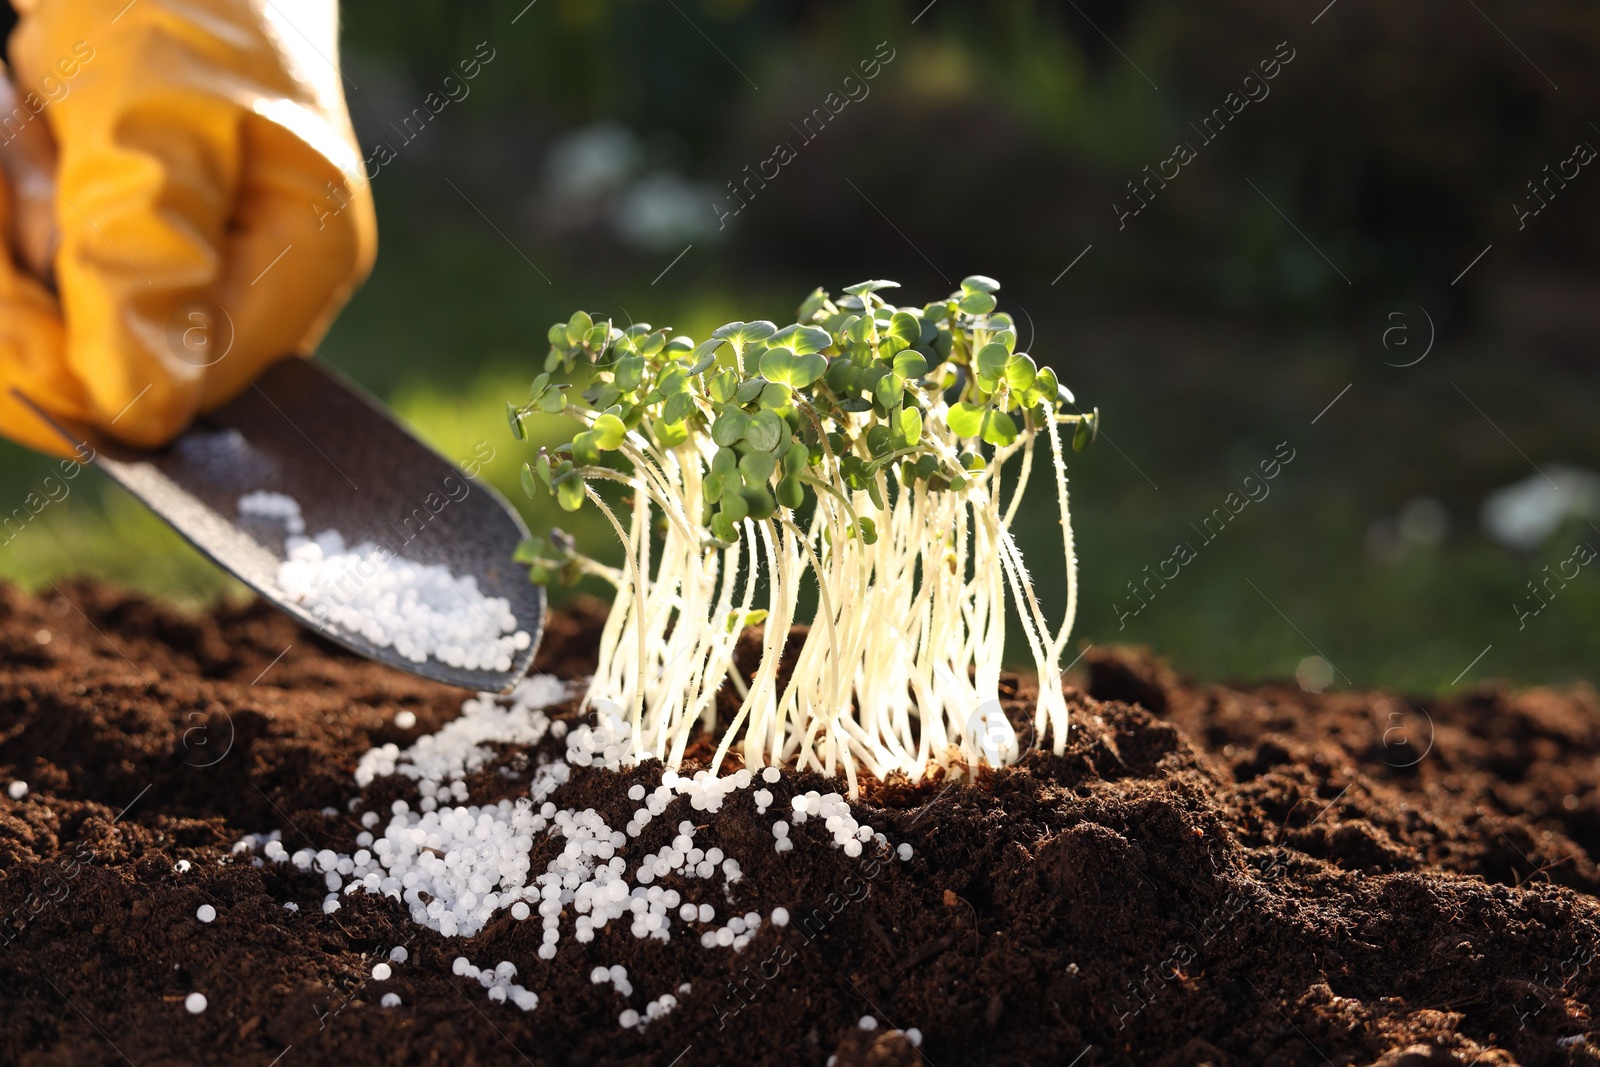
{"type": "Point", "coordinates": [279, 506]}
{"type": "Point", "coordinates": [418, 609]}
{"type": "Point", "coordinates": [454, 864]}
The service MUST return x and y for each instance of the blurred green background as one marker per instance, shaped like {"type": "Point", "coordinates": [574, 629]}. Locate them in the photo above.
{"type": "Point", "coordinates": [1322, 237]}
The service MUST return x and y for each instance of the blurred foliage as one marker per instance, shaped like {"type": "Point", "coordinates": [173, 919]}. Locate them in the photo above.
{"type": "Point", "coordinates": [1398, 138]}
{"type": "Point", "coordinates": [102, 531]}
{"type": "Point", "coordinates": [997, 139]}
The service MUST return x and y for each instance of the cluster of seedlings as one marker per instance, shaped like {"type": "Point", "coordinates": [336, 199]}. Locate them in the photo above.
{"type": "Point", "coordinates": [863, 447]}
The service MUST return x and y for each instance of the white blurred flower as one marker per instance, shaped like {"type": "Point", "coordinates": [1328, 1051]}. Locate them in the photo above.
{"type": "Point", "coordinates": [1525, 514]}
{"type": "Point", "coordinates": [590, 162]}
{"type": "Point", "coordinates": [664, 210]}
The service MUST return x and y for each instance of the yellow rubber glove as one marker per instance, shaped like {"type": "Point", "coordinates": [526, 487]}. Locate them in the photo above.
{"type": "Point", "coordinates": [210, 206]}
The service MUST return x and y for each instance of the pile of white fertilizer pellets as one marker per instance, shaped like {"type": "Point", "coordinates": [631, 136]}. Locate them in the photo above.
{"type": "Point", "coordinates": [455, 865]}
{"type": "Point", "coordinates": [418, 609]}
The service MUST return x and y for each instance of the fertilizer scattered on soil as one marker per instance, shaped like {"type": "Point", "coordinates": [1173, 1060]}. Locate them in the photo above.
{"type": "Point", "coordinates": [1217, 875]}
{"type": "Point", "coordinates": [456, 866]}
{"type": "Point", "coordinates": [418, 609]}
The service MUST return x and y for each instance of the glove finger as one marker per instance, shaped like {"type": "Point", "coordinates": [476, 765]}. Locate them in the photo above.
{"type": "Point", "coordinates": [30, 352]}
{"type": "Point", "coordinates": [302, 239]}
{"type": "Point", "coordinates": [30, 363]}
{"type": "Point", "coordinates": [28, 154]}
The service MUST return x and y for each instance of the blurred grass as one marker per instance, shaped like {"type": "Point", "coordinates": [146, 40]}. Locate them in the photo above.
{"type": "Point", "coordinates": [103, 532]}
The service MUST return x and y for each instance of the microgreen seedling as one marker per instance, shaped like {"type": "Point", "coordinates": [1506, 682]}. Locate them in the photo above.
{"type": "Point", "coordinates": [863, 446]}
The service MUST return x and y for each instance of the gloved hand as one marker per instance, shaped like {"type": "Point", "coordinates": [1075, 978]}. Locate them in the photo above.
{"type": "Point", "coordinates": [211, 204]}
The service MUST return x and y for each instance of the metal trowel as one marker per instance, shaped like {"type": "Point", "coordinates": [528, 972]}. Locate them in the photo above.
{"type": "Point", "coordinates": [304, 430]}
{"type": "Point", "coordinates": [307, 432]}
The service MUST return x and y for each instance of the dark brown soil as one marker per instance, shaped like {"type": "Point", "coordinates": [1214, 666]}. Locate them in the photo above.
{"type": "Point", "coordinates": [1208, 875]}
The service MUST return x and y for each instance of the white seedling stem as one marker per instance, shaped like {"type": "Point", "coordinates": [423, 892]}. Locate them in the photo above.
{"type": "Point", "coordinates": [915, 573]}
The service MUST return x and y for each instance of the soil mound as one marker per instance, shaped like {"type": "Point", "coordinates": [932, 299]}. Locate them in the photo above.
{"type": "Point", "coordinates": [1207, 875]}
